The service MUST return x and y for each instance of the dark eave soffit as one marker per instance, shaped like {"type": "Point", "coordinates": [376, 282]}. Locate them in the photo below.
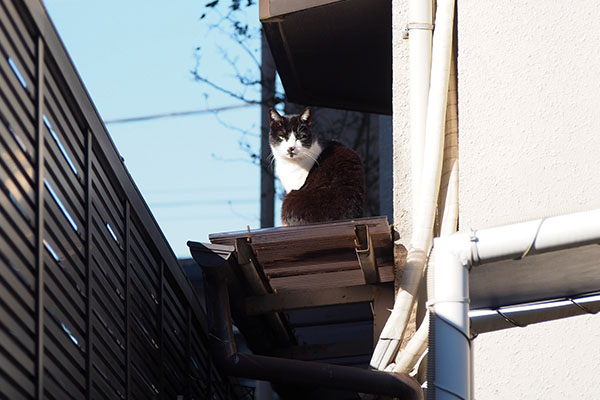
{"type": "Point", "coordinates": [332, 53]}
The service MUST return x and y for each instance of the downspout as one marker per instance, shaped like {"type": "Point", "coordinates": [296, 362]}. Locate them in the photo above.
{"type": "Point", "coordinates": [288, 371]}
{"type": "Point", "coordinates": [449, 344]}
{"type": "Point", "coordinates": [432, 156]}
{"type": "Point", "coordinates": [449, 358]}
{"type": "Point", "coordinates": [420, 30]}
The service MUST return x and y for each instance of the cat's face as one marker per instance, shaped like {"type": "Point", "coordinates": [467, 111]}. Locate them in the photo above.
{"type": "Point", "coordinates": [291, 136]}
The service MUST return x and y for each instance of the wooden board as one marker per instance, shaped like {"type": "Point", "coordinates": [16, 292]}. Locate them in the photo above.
{"type": "Point", "coordinates": [316, 256]}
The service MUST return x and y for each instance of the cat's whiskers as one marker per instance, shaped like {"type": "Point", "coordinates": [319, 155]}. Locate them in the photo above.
{"type": "Point", "coordinates": [271, 161]}
{"type": "Point", "coordinates": [312, 158]}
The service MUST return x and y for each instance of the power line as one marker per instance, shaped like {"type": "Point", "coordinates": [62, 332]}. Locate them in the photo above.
{"type": "Point", "coordinates": [175, 114]}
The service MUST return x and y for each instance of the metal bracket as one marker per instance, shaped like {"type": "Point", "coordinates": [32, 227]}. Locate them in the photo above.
{"type": "Point", "coordinates": [365, 253]}
{"type": "Point", "coordinates": [416, 25]}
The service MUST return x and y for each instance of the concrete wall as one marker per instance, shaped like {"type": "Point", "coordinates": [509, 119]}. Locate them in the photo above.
{"type": "Point", "coordinates": [402, 193]}
{"type": "Point", "coordinates": [529, 126]}
{"type": "Point", "coordinates": [529, 146]}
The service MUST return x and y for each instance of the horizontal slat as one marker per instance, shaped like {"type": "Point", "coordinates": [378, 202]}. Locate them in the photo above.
{"type": "Point", "coordinates": [54, 386]}
{"type": "Point", "coordinates": [105, 362]}
{"type": "Point", "coordinates": [63, 121]}
{"type": "Point", "coordinates": [67, 305]}
{"type": "Point", "coordinates": [69, 258]}
{"type": "Point", "coordinates": [107, 251]}
{"type": "Point", "coordinates": [308, 298]}
{"type": "Point", "coordinates": [16, 162]}
{"type": "Point", "coordinates": [111, 245]}
{"type": "Point", "coordinates": [14, 225]}
{"type": "Point", "coordinates": [146, 278]}
{"type": "Point", "coordinates": [13, 91]}
{"type": "Point", "coordinates": [17, 307]}
{"type": "Point", "coordinates": [66, 240]}
{"type": "Point", "coordinates": [15, 252]}
{"type": "Point", "coordinates": [20, 128]}
{"type": "Point", "coordinates": [12, 390]}
{"type": "Point", "coordinates": [322, 281]}
{"type": "Point", "coordinates": [108, 305]}
{"type": "Point", "coordinates": [68, 375]}
{"type": "Point", "coordinates": [17, 364]}
{"type": "Point", "coordinates": [323, 236]}
{"type": "Point", "coordinates": [19, 33]}
{"type": "Point", "coordinates": [63, 181]}
{"type": "Point", "coordinates": [58, 342]}
{"type": "Point", "coordinates": [146, 369]}
{"type": "Point", "coordinates": [142, 386]}
{"type": "Point", "coordinates": [111, 200]}
{"type": "Point", "coordinates": [100, 387]}
{"type": "Point", "coordinates": [144, 298]}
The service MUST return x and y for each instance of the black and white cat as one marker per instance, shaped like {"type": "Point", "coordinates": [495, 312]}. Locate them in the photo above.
{"type": "Point", "coordinates": [324, 180]}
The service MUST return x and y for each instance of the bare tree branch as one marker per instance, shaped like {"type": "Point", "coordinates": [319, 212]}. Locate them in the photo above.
{"type": "Point", "coordinates": [221, 89]}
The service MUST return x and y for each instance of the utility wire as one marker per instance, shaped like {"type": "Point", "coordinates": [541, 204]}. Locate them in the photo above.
{"type": "Point", "coordinates": [175, 114]}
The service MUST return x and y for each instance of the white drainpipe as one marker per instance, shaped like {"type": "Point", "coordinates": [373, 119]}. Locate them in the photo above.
{"type": "Point", "coordinates": [449, 375]}
{"type": "Point", "coordinates": [427, 188]}
{"type": "Point", "coordinates": [420, 29]}
{"type": "Point", "coordinates": [420, 32]}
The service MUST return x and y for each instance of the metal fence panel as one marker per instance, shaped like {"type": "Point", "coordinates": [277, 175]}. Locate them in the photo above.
{"type": "Point", "coordinates": [93, 303]}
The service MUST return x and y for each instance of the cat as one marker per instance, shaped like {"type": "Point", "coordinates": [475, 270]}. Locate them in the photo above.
{"type": "Point", "coordinates": [323, 179]}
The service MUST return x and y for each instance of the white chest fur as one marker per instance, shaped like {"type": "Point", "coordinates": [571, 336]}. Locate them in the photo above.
{"type": "Point", "coordinates": [292, 171]}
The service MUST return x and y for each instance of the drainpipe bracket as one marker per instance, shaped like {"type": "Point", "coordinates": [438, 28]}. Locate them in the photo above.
{"type": "Point", "coordinates": [416, 25]}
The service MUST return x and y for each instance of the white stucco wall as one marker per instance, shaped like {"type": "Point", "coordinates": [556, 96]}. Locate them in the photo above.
{"type": "Point", "coordinates": [529, 146]}
{"type": "Point", "coordinates": [400, 125]}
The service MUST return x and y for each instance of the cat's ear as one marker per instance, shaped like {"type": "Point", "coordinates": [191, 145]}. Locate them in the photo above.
{"type": "Point", "coordinates": [306, 114]}
{"type": "Point", "coordinates": [274, 116]}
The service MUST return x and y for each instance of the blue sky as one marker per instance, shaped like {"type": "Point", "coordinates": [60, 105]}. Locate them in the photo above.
{"type": "Point", "coordinates": [135, 58]}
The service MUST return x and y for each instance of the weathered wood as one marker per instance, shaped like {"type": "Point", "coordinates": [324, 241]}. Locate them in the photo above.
{"type": "Point", "coordinates": [250, 269]}
{"type": "Point", "coordinates": [311, 298]}
{"type": "Point", "coordinates": [259, 285]}
{"type": "Point", "coordinates": [328, 280]}
{"type": "Point", "coordinates": [309, 269]}
{"type": "Point", "coordinates": [314, 267]}
{"type": "Point", "coordinates": [326, 350]}
{"type": "Point", "coordinates": [316, 242]}
{"type": "Point", "coordinates": [383, 302]}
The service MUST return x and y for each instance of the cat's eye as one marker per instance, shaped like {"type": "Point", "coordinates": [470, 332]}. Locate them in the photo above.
{"type": "Point", "coordinates": [281, 137]}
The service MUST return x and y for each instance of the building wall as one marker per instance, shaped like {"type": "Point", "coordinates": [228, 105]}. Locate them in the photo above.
{"type": "Point", "coordinates": [402, 192]}
{"type": "Point", "coordinates": [529, 145]}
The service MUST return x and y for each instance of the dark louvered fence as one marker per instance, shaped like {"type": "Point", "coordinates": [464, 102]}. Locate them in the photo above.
{"type": "Point", "coordinates": [93, 303]}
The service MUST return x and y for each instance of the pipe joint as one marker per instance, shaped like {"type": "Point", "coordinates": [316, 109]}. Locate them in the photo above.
{"type": "Point", "coordinates": [422, 26]}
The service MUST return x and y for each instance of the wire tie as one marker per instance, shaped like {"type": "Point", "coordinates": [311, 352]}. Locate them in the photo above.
{"type": "Point", "coordinates": [509, 319]}
{"type": "Point", "coordinates": [581, 306]}
{"type": "Point", "coordinates": [416, 25]}
{"type": "Point", "coordinates": [464, 300]}
{"type": "Point", "coordinates": [444, 389]}
{"type": "Point", "coordinates": [475, 260]}
{"type": "Point", "coordinates": [419, 25]}
{"type": "Point", "coordinates": [533, 241]}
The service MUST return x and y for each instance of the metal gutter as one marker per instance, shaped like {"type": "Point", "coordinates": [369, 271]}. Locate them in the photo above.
{"type": "Point", "coordinates": [461, 254]}
{"type": "Point", "coordinates": [269, 9]}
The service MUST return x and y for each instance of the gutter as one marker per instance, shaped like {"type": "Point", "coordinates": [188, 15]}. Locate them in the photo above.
{"type": "Point", "coordinates": [215, 265]}
{"type": "Point", "coordinates": [450, 365]}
